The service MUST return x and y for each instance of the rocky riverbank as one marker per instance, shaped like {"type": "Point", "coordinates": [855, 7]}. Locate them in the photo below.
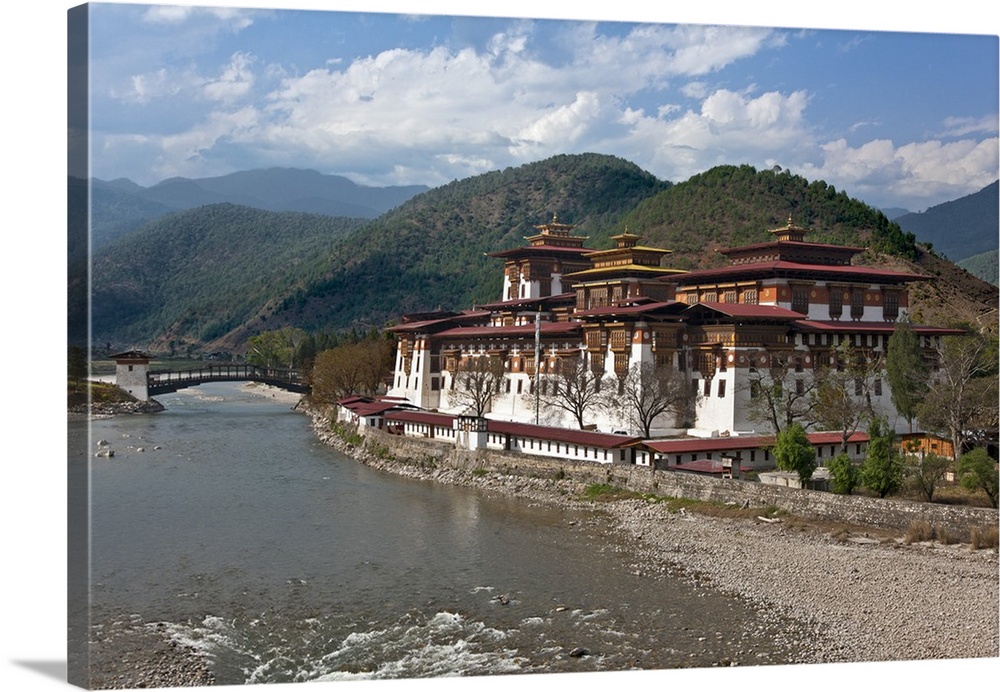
{"type": "Point", "coordinates": [860, 595]}
{"type": "Point", "coordinates": [131, 655]}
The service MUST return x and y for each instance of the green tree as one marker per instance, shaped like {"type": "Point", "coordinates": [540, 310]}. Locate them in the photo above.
{"type": "Point", "coordinates": [882, 470]}
{"type": "Point", "coordinates": [794, 453]}
{"type": "Point", "coordinates": [906, 370]}
{"type": "Point", "coordinates": [77, 364]}
{"type": "Point", "coordinates": [926, 473]}
{"type": "Point", "coordinates": [351, 369]}
{"type": "Point", "coordinates": [844, 474]}
{"type": "Point", "coordinates": [978, 471]}
{"type": "Point", "coordinates": [962, 394]}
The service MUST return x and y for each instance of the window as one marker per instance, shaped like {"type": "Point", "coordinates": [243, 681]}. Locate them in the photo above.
{"type": "Point", "coordinates": [750, 296]}
{"type": "Point", "coordinates": [878, 387]}
{"type": "Point", "coordinates": [857, 303]}
{"type": "Point", "coordinates": [729, 297]}
{"type": "Point", "coordinates": [858, 386]}
{"type": "Point", "coordinates": [722, 389]}
{"type": "Point", "coordinates": [800, 387]}
{"type": "Point", "coordinates": [890, 308]}
{"type": "Point", "coordinates": [800, 300]}
{"type": "Point", "coordinates": [836, 303]}
{"type": "Point", "coordinates": [708, 387]}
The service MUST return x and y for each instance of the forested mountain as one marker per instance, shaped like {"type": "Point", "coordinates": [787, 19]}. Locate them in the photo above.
{"type": "Point", "coordinates": [983, 265]}
{"type": "Point", "coordinates": [961, 228]}
{"type": "Point", "coordinates": [737, 205]}
{"type": "Point", "coordinates": [213, 277]}
{"type": "Point", "coordinates": [193, 276]}
{"type": "Point", "coordinates": [429, 252]}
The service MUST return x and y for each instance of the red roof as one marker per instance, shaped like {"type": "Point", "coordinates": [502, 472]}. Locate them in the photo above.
{"type": "Point", "coordinates": [424, 325]}
{"type": "Point", "coordinates": [504, 304]}
{"type": "Point", "coordinates": [440, 419]}
{"type": "Point", "coordinates": [520, 330]}
{"type": "Point", "coordinates": [570, 435]}
{"type": "Point", "coordinates": [782, 267]}
{"type": "Point", "coordinates": [691, 445]}
{"type": "Point", "coordinates": [745, 310]}
{"type": "Point", "coordinates": [878, 327]}
{"type": "Point", "coordinates": [627, 309]}
{"type": "Point", "coordinates": [542, 249]}
{"type": "Point", "coordinates": [793, 244]}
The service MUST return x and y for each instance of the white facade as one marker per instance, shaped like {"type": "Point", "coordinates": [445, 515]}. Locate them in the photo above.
{"type": "Point", "coordinates": [787, 298]}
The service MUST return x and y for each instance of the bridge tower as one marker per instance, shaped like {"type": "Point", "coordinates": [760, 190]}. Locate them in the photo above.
{"type": "Point", "coordinates": [131, 373]}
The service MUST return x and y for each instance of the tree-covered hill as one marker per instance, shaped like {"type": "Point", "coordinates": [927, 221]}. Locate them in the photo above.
{"type": "Point", "coordinates": [737, 205]}
{"type": "Point", "coordinates": [960, 228]}
{"type": "Point", "coordinates": [193, 276]}
{"type": "Point", "coordinates": [983, 265]}
{"type": "Point", "coordinates": [429, 252]}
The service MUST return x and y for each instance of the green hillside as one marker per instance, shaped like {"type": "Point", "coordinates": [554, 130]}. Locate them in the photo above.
{"type": "Point", "coordinates": [960, 228]}
{"type": "Point", "coordinates": [983, 265]}
{"type": "Point", "coordinates": [193, 276]}
{"type": "Point", "coordinates": [736, 205]}
{"type": "Point", "coordinates": [429, 252]}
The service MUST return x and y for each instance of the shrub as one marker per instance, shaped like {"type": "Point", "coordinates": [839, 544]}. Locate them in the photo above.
{"type": "Point", "coordinates": [794, 453]}
{"type": "Point", "coordinates": [978, 471]}
{"type": "Point", "coordinates": [919, 532]}
{"type": "Point", "coordinates": [844, 474]}
{"type": "Point", "coordinates": [985, 538]}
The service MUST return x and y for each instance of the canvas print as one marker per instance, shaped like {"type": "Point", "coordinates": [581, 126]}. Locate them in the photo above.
{"type": "Point", "coordinates": [410, 346]}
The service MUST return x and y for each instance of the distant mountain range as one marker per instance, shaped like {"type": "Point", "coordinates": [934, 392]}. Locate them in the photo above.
{"type": "Point", "coordinates": [121, 206]}
{"type": "Point", "coordinates": [208, 277]}
{"type": "Point", "coordinates": [961, 228]}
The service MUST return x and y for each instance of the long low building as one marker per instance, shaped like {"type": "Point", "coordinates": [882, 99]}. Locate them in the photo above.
{"type": "Point", "coordinates": [699, 455]}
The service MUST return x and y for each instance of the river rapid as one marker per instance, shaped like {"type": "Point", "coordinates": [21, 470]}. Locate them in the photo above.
{"type": "Point", "coordinates": [224, 523]}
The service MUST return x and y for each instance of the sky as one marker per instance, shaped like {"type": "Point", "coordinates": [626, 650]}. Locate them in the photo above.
{"type": "Point", "coordinates": [896, 118]}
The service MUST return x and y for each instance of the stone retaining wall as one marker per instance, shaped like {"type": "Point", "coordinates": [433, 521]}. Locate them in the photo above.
{"type": "Point", "coordinates": [890, 513]}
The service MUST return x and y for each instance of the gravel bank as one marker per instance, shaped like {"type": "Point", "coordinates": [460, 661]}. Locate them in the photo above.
{"type": "Point", "coordinates": [860, 598]}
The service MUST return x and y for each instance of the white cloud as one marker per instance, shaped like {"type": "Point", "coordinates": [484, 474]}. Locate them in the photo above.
{"type": "Point", "coordinates": [914, 175]}
{"type": "Point", "coordinates": [960, 127]}
{"type": "Point", "coordinates": [235, 82]}
{"type": "Point", "coordinates": [234, 19]}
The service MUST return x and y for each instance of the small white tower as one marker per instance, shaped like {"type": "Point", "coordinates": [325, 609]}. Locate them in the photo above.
{"type": "Point", "coordinates": [132, 368]}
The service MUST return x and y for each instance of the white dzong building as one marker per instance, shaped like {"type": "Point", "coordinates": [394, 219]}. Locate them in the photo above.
{"type": "Point", "coordinates": [616, 308]}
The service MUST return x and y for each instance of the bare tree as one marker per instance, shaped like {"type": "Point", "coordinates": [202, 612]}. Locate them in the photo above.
{"type": "Point", "coordinates": [842, 396]}
{"type": "Point", "coordinates": [648, 391]}
{"type": "Point", "coordinates": [781, 393]}
{"type": "Point", "coordinates": [477, 382]}
{"type": "Point", "coordinates": [574, 387]}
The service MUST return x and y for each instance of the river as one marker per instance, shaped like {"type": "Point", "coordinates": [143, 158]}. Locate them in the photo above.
{"type": "Point", "coordinates": [282, 560]}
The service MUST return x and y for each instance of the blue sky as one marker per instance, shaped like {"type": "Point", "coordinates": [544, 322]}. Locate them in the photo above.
{"type": "Point", "coordinates": [903, 119]}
